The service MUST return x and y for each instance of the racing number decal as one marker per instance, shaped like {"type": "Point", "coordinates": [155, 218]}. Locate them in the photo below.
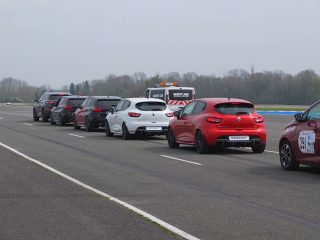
{"type": "Point", "coordinates": [306, 142]}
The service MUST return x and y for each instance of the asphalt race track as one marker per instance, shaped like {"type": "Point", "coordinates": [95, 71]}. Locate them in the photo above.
{"type": "Point", "coordinates": [230, 194]}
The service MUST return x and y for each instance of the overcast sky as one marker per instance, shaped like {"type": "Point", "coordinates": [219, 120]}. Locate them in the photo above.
{"type": "Point", "coordinates": [57, 42]}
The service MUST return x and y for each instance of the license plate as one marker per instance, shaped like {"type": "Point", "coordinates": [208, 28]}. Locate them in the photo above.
{"type": "Point", "coordinates": [153, 128]}
{"type": "Point", "coordinates": [239, 138]}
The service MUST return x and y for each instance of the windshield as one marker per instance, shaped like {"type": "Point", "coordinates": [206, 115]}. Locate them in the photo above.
{"type": "Point", "coordinates": [107, 103]}
{"type": "Point", "coordinates": [151, 106]}
{"type": "Point", "coordinates": [234, 108]}
{"type": "Point", "coordinates": [180, 94]}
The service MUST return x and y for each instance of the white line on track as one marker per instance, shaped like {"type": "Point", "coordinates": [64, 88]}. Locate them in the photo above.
{"type": "Point", "coordinates": [75, 135]}
{"type": "Point", "coordinates": [271, 151]}
{"type": "Point", "coordinates": [182, 160]}
{"type": "Point", "coordinates": [28, 124]}
{"type": "Point", "coordinates": [103, 194]}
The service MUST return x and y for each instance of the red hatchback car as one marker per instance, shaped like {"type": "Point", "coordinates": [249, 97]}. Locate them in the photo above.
{"type": "Point", "coordinates": [300, 141]}
{"type": "Point", "coordinates": [218, 122]}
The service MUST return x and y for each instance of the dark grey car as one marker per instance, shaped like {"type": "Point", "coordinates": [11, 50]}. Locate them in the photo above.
{"type": "Point", "coordinates": [63, 111]}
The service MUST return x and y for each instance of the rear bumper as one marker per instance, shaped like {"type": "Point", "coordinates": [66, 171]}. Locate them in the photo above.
{"type": "Point", "coordinates": [143, 131]}
{"type": "Point", "coordinates": [223, 141]}
{"type": "Point", "coordinates": [221, 138]}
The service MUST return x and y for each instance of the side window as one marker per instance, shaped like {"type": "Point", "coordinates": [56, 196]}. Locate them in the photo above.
{"type": "Point", "coordinates": [146, 94]}
{"type": "Point", "coordinates": [119, 106]}
{"type": "Point", "coordinates": [199, 108]}
{"type": "Point", "coordinates": [84, 102]}
{"type": "Point", "coordinates": [60, 102]}
{"type": "Point", "coordinates": [125, 105]}
{"type": "Point", "coordinates": [88, 103]}
{"type": "Point", "coordinates": [187, 111]}
{"type": "Point", "coordinates": [314, 113]}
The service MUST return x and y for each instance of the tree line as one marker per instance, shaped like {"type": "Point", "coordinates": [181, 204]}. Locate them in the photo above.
{"type": "Point", "coordinates": [265, 87]}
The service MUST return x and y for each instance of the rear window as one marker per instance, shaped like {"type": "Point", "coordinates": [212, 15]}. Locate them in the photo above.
{"type": "Point", "coordinates": [151, 106]}
{"type": "Point", "coordinates": [76, 102]}
{"type": "Point", "coordinates": [56, 96]}
{"type": "Point", "coordinates": [180, 94]}
{"type": "Point", "coordinates": [234, 108]}
{"type": "Point", "coordinates": [107, 103]}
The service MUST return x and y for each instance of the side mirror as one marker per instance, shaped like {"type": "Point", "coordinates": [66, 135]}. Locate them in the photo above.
{"type": "Point", "coordinates": [112, 110]}
{"type": "Point", "coordinates": [36, 100]}
{"type": "Point", "coordinates": [299, 117]}
{"type": "Point", "coordinates": [177, 114]}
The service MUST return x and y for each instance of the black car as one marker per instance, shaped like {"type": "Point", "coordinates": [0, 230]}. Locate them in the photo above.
{"type": "Point", "coordinates": [43, 105]}
{"type": "Point", "coordinates": [92, 113]}
{"type": "Point", "coordinates": [63, 110]}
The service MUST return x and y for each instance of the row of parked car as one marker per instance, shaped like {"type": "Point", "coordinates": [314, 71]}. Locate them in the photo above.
{"type": "Point", "coordinates": [204, 123]}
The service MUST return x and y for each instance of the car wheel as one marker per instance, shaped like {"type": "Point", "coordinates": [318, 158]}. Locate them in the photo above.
{"type": "Point", "coordinates": [88, 126]}
{"type": "Point", "coordinates": [107, 129]}
{"type": "Point", "coordinates": [51, 120]}
{"type": "Point", "coordinates": [62, 123]}
{"type": "Point", "coordinates": [200, 143]}
{"type": "Point", "coordinates": [171, 139]}
{"type": "Point", "coordinates": [35, 117]}
{"type": "Point", "coordinates": [287, 158]}
{"type": "Point", "coordinates": [75, 125]}
{"type": "Point", "coordinates": [125, 132]}
{"type": "Point", "coordinates": [258, 148]}
{"type": "Point", "coordinates": [44, 118]}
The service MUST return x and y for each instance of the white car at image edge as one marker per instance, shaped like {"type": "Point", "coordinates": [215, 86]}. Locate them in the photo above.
{"type": "Point", "coordinates": [132, 116]}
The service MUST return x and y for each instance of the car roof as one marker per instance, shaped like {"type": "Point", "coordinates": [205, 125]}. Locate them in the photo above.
{"type": "Point", "coordinates": [137, 100]}
{"type": "Point", "coordinates": [171, 87]}
{"type": "Point", "coordinates": [75, 96]}
{"type": "Point", "coordinates": [57, 93]}
{"type": "Point", "coordinates": [106, 97]}
{"type": "Point", "coordinates": [222, 100]}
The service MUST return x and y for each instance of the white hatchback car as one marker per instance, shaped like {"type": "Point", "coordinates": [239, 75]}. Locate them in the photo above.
{"type": "Point", "coordinates": [131, 116]}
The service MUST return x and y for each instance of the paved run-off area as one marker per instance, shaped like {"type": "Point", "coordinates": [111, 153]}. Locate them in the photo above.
{"type": "Point", "coordinates": [230, 194]}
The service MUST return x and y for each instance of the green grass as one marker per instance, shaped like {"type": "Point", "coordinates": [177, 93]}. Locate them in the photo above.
{"type": "Point", "coordinates": [280, 107]}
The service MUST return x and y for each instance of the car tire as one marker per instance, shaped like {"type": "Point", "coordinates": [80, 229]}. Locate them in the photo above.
{"type": "Point", "coordinates": [107, 130]}
{"type": "Point", "coordinates": [88, 126]}
{"type": "Point", "coordinates": [35, 117]}
{"type": "Point", "coordinates": [125, 132]}
{"type": "Point", "coordinates": [44, 118]}
{"type": "Point", "coordinates": [287, 158]}
{"type": "Point", "coordinates": [62, 123]}
{"type": "Point", "coordinates": [258, 148]}
{"type": "Point", "coordinates": [200, 143]}
{"type": "Point", "coordinates": [51, 120]}
{"type": "Point", "coordinates": [75, 125]}
{"type": "Point", "coordinates": [171, 139]}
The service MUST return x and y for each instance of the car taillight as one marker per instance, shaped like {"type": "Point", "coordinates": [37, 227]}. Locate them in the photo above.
{"type": "Point", "coordinates": [214, 120]}
{"type": "Point", "coordinates": [258, 119]}
{"type": "Point", "coordinates": [169, 114]}
{"type": "Point", "coordinates": [133, 114]}
{"type": "Point", "coordinates": [67, 107]}
{"type": "Point", "coordinates": [97, 109]}
{"type": "Point", "coordinates": [51, 102]}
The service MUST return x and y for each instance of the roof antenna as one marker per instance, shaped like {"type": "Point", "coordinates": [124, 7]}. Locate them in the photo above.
{"type": "Point", "coordinates": [229, 93]}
